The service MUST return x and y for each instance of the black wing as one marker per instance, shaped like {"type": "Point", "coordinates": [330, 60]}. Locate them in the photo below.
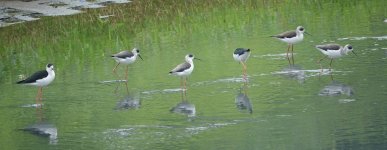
{"type": "Point", "coordinates": [241, 51]}
{"type": "Point", "coordinates": [288, 34]}
{"type": "Point", "coordinates": [36, 76]}
{"type": "Point", "coordinates": [329, 47]}
{"type": "Point", "coordinates": [181, 67]}
{"type": "Point", "coordinates": [123, 54]}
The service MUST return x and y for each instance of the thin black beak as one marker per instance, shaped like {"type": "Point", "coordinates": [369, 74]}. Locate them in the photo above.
{"type": "Point", "coordinates": [140, 56]}
{"type": "Point", "coordinates": [308, 33]}
{"type": "Point", "coordinates": [354, 53]}
{"type": "Point", "coordinates": [197, 58]}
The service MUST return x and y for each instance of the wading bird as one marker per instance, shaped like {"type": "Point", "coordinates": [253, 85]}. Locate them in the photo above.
{"type": "Point", "coordinates": [40, 79]}
{"type": "Point", "coordinates": [183, 70]}
{"type": "Point", "coordinates": [291, 37]}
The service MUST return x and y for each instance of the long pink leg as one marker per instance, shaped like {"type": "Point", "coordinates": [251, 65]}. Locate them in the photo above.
{"type": "Point", "coordinates": [181, 87]}
{"type": "Point", "coordinates": [118, 77]}
{"type": "Point", "coordinates": [292, 55]}
{"type": "Point", "coordinates": [126, 77]}
{"type": "Point", "coordinates": [319, 62]}
{"type": "Point", "coordinates": [181, 83]}
{"type": "Point", "coordinates": [287, 54]}
{"type": "Point", "coordinates": [39, 114]}
{"type": "Point", "coordinates": [185, 83]}
{"type": "Point", "coordinates": [114, 69]}
{"type": "Point", "coordinates": [244, 71]}
{"type": "Point", "coordinates": [41, 97]}
{"type": "Point", "coordinates": [245, 88]}
{"type": "Point", "coordinates": [185, 86]}
{"type": "Point", "coordinates": [330, 65]}
{"type": "Point", "coordinates": [37, 98]}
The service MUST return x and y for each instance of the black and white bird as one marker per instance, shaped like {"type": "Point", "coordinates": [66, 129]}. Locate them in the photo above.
{"type": "Point", "coordinates": [291, 37]}
{"type": "Point", "coordinates": [126, 57]}
{"type": "Point", "coordinates": [185, 69]}
{"type": "Point", "coordinates": [40, 79]}
{"type": "Point", "coordinates": [334, 51]}
{"type": "Point", "coordinates": [241, 55]}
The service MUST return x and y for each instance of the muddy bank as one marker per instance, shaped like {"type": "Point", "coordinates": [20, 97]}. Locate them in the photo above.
{"type": "Point", "coordinates": [12, 12]}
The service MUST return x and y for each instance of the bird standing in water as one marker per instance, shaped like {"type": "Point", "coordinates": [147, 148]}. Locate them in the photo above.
{"type": "Point", "coordinates": [183, 70]}
{"type": "Point", "coordinates": [333, 51]}
{"type": "Point", "coordinates": [40, 79]}
{"type": "Point", "coordinates": [241, 55]}
{"type": "Point", "coordinates": [291, 37]}
{"type": "Point", "coordinates": [126, 57]}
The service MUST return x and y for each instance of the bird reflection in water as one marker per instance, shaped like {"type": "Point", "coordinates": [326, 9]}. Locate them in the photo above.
{"type": "Point", "coordinates": [43, 128]}
{"type": "Point", "coordinates": [129, 102]}
{"type": "Point", "coordinates": [242, 101]}
{"type": "Point", "coordinates": [293, 72]}
{"type": "Point", "coordinates": [336, 88]}
{"type": "Point", "coordinates": [184, 107]}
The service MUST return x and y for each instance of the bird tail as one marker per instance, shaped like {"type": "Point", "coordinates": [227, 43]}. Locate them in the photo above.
{"type": "Point", "coordinates": [20, 82]}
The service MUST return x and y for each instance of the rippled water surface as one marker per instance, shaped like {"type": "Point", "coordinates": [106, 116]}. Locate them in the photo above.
{"type": "Point", "coordinates": [281, 106]}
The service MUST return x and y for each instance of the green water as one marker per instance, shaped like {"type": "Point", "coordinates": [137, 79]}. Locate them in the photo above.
{"type": "Point", "coordinates": [290, 109]}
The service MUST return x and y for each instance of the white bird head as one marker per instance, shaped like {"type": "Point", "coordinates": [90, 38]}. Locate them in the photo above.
{"type": "Point", "coordinates": [301, 30]}
{"type": "Point", "coordinates": [348, 48]}
{"type": "Point", "coordinates": [49, 67]}
{"type": "Point", "coordinates": [189, 58]}
{"type": "Point", "coordinates": [136, 52]}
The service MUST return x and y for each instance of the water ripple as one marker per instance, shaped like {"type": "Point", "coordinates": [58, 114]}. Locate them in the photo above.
{"type": "Point", "coordinates": [364, 38]}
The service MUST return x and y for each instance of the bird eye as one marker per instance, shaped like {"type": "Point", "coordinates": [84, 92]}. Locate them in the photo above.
{"type": "Point", "coordinates": [138, 51]}
{"type": "Point", "coordinates": [190, 55]}
{"type": "Point", "coordinates": [349, 47]}
{"type": "Point", "coordinates": [301, 29]}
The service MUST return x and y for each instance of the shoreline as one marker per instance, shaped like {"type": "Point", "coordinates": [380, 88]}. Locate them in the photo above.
{"type": "Point", "coordinates": [13, 12]}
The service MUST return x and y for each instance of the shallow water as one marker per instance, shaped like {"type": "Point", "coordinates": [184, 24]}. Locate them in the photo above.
{"type": "Point", "coordinates": [297, 107]}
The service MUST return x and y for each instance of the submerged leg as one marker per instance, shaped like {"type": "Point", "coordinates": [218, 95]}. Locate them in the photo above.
{"type": "Point", "coordinates": [39, 114]}
{"type": "Point", "coordinates": [244, 88]}
{"type": "Point", "coordinates": [182, 91]}
{"type": "Point", "coordinates": [116, 89]}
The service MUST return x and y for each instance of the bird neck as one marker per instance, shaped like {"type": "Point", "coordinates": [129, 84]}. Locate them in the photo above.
{"type": "Point", "coordinates": [300, 34]}
{"type": "Point", "coordinates": [344, 51]}
{"type": "Point", "coordinates": [190, 61]}
{"type": "Point", "coordinates": [50, 72]}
